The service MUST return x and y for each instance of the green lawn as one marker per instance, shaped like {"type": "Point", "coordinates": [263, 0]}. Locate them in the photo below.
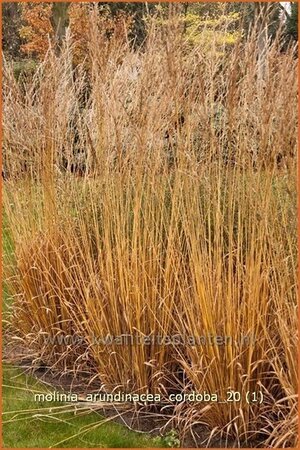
{"type": "Point", "coordinates": [8, 258]}
{"type": "Point", "coordinates": [27, 423]}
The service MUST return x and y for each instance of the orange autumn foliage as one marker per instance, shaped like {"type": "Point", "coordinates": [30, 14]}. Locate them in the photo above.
{"type": "Point", "coordinates": [37, 31]}
{"type": "Point", "coordinates": [109, 28]}
{"type": "Point", "coordinates": [79, 26]}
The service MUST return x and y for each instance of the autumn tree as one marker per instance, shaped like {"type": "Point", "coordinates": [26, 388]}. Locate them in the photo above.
{"type": "Point", "coordinates": [37, 31]}
{"type": "Point", "coordinates": [78, 14]}
{"type": "Point", "coordinates": [109, 27]}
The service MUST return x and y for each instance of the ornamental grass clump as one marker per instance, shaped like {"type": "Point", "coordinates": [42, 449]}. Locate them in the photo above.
{"type": "Point", "coordinates": [151, 193]}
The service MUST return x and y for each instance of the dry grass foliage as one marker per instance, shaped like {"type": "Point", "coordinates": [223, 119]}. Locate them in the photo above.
{"type": "Point", "coordinates": [152, 192]}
